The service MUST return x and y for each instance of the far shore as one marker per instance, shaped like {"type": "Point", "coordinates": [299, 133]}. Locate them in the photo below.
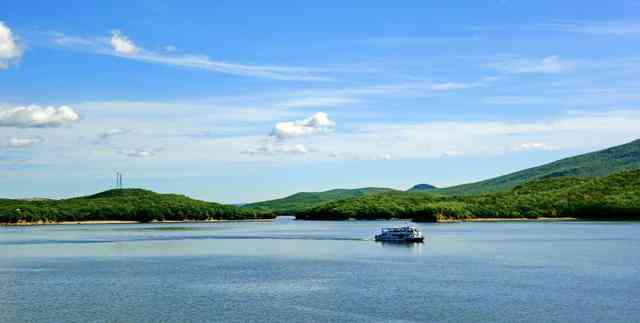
{"type": "Point", "coordinates": [507, 220]}
{"type": "Point", "coordinates": [542, 219]}
{"type": "Point", "coordinates": [124, 222]}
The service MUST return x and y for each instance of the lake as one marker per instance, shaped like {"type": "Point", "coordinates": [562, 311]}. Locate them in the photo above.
{"type": "Point", "coordinates": [302, 271]}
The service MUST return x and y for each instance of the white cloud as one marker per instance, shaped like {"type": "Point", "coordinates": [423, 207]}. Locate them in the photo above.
{"type": "Point", "coordinates": [607, 28]}
{"type": "Point", "coordinates": [449, 86]}
{"type": "Point", "coordinates": [122, 44]}
{"type": "Point", "coordinates": [514, 100]}
{"type": "Point", "coordinates": [169, 48]}
{"type": "Point", "coordinates": [533, 146]}
{"type": "Point", "coordinates": [546, 65]}
{"type": "Point", "coordinates": [276, 149]}
{"type": "Point", "coordinates": [437, 139]}
{"type": "Point", "coordinates": [205, 63]}
{"type": "Point", "coordinates": [316, 124]}
{"type": "Point", "coordinates": [23, 142]}
{"type": "Point", "coordinates": [315, 102]}
{"type": "Point", "coordinates": [140, 152]}
{"type": "Point", "coordinates": [34, 116]}
{"type": "Point", "coordinates": [113, 132]}
{"type": "Point", "coordinates": [383, 157]}
{"type": "Point", "coordinates": [9, 50]}
{"type": "Point", "coordinates": [414, 41]}
{"type": "Point", "coordinates": [274, 143]}
{"type": "Point", "coordinates": [416, 88]}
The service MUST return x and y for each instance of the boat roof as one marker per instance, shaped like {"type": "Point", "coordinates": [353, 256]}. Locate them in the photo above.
{"type": "Point", "coordinates": [400, 228]}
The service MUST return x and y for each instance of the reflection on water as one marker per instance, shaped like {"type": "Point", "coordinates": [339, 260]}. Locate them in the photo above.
{"type": "Point", "coordinates": [414, 248]}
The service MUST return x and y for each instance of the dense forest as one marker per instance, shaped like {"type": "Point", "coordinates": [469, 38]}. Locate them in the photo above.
{"type": "Point", "coordinates": [300, 201]}
{"type": "Point", "coordinates": [613, 197]}
{"type": "Point", "coordinates": [122, 205]}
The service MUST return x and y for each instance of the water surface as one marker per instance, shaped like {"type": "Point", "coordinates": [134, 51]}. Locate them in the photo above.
{"type": "Point", "coordinates": [303, 271]}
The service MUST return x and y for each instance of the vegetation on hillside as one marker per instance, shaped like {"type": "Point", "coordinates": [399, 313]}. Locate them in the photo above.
{"type": "Point", "coordinates": [301, 201]}
{"type": "Point", "coordinates": [121, 205]}
{"type": "Point", "coordinates": [595, 164]}
{"type": "Point", "coordinates": [612, 197]}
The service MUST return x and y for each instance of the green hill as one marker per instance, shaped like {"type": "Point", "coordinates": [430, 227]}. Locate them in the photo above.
{"type": "Point", "coordinates": [599, 163]}
{"type": "Point", "coordinates": [121, 205]}
{"type": "Point", "coordinates": [299, 201]}
{"type": "Point", "coordinates": [613, 197]}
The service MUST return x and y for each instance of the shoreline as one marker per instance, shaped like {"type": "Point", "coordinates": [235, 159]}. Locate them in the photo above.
{"type": "Point", "coordinates": [104, 222]}
{"type": "Point", "coordinates": [94, 222]}
{"type": "Point", "coordinates": [541, 219]}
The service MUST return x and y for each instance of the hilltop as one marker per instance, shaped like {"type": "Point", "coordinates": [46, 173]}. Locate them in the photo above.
{"type": "Point", "coordinates": [300, 201]}
{"type": "Point", "coordinates": [422, 187]}
{"type": "Point", "coordinates": [122, 205]}
{"type": "Point", "coordinates": [595, 164]}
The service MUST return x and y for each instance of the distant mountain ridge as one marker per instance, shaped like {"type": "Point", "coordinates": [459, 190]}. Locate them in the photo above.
{"type": "Point", "coordinates": [594, 164]}
{"type": "Point", "coordinates": [296, 202]}
{"type": "Point", "coordinates": [422, 187]}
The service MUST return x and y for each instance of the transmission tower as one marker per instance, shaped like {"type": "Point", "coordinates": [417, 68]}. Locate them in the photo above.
{"type": "Point", "coordinates": [118, 180]}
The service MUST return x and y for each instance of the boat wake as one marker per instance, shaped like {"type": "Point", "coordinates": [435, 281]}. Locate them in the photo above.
{"type": "Point", "coordinates": [176, 238]}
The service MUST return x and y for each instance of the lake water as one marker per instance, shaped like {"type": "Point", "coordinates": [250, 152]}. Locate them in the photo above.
{"type": "Point", "coordinates": [300, 271]}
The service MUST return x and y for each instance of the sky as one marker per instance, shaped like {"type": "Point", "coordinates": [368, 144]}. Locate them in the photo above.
{"type": "Point", "coordinates": [241, 101]}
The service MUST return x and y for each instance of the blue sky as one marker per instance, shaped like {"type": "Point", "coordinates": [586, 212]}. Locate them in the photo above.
{"type": "Point", "coordinates": [241, 101]}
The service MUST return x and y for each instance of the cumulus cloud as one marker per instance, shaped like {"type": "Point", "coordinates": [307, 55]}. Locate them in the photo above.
{"type": "Point", "coordinates": [122, 44]}
{"type": "Point", "coordinates": [546, 65]}
{"type": "Point", "coordinates": [113, 132]}
{"type": "Point", "coordinates": [316, 124]}
{"type": "Point", "coordinates": [9, 50]}
{"type": "Point", "coordinates": [140, 152]}
{"type": "Point", "coordinates": [276, 149]}
{"type": "Point", "coordinates": [276, 142]}
{"type": "Point", "coordinates": [34, 116]}
{"type": "Point", "coordinates": [23, 142]}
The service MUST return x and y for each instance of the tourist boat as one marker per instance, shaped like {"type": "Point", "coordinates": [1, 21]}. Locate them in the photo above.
{"type": "Point", "coordinates": [402, 234]}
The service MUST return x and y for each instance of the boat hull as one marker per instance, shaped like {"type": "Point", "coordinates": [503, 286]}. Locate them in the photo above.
{"type": "Point", "coordinates": [407, 240]}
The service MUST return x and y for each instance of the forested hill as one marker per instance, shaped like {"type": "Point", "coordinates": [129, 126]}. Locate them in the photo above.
{"type": "Point", "coordinates": [121, 205]}
{"type": "Point", "coordinates": [300, 201]}
{"type": "Point", "coordinates": [613, 197]}
{"type": "Point", "coordinates": [599, 163]}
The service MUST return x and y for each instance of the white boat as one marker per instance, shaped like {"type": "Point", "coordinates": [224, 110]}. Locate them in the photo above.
{"type": "Point", "coordinates": [401, 234]}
